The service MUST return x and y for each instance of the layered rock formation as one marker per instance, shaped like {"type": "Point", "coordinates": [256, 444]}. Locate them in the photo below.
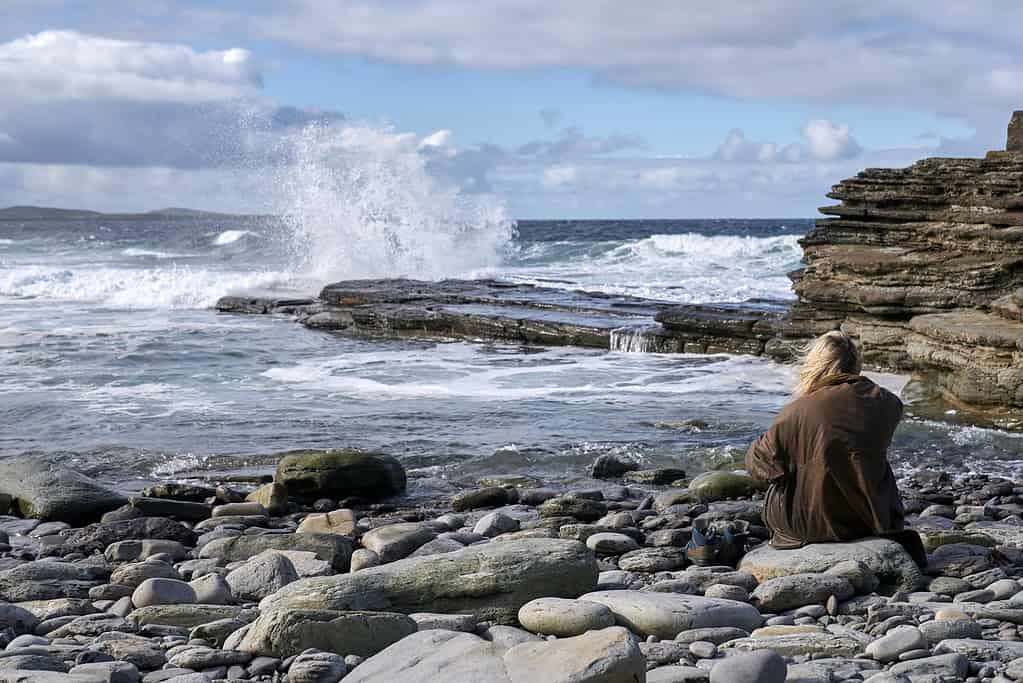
{"type": "Point", "coordinates": [924, 266]}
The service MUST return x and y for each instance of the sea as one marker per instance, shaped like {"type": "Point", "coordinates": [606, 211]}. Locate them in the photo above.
{"type": "Point", "coordinates": [113, 360]}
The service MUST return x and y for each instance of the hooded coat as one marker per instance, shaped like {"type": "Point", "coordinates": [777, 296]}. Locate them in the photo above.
{"type": "Point", "coordinates": [826, 459]}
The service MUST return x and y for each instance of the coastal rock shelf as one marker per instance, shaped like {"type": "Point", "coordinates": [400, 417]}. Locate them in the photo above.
{"type": "Point", "coordinates": [491, 310]}
{"type": "Point", "coordinates": [924, 266]}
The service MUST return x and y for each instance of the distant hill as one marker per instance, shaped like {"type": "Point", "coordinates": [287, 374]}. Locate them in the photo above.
{"type": "Point", "coordinates": [44, 213]}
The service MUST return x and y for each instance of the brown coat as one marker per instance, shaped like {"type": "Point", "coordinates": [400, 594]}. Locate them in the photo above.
{"type": "Point", "coordinates": [825, 457]}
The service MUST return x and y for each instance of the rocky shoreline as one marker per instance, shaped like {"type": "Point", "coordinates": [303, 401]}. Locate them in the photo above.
{"type": "Point", "coordinates": [331, 572]}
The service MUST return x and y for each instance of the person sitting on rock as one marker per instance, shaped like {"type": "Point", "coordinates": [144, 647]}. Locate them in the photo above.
{"type": "Point", "coordinates": [826, 456]}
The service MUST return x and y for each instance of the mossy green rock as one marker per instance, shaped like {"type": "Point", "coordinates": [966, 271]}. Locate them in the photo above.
{"type": "Point", "coordinates": [492, 581]}
{"type": "Point", "coordinates": [338, 474]}
{"type": "Point", "coordinates": [714, 486]}
{"type": "Point", "coordinates": [933, 540]}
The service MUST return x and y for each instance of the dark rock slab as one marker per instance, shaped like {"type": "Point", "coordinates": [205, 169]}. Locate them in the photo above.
{"type": "Point", "coordinates": [50, 492]}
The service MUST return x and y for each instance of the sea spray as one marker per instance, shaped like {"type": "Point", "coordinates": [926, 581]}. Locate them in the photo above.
{"type": "Point", "coordinates": [360, 202]}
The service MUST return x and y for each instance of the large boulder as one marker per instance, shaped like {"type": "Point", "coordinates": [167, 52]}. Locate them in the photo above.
{"type": "Point", "coordinates": [338, 474]}
{"type": "Point", "coordinates": [47, 491]}
{"type": "Point", "coordinates": [284, 632]}
{"type": "Point", "coordinates": [491, 581]}
{"type": "Point", "coordinates": [665, 615]}
{"type": "Point", "coordinates": [890, 563]}
{"type": "Point", "coordinates": [97, 537]}
{"type": "Point", "coordinates": [609, 655]}
{"type": "Point", "coordinates": [327, 547]}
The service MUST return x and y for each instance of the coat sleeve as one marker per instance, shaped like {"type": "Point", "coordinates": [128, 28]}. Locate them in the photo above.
{"type": "Point", "coordinates": [766, 459]}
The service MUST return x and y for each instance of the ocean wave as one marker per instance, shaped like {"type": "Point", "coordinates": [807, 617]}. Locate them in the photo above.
{"type": "Point", "coordinates": [152, 253]}
{"type": "Point", "coordinates": [686, 268]}
{"type": "Point", "coordinates": [230, 237]}
{"type": "Point", "coordinates": [171, 287]}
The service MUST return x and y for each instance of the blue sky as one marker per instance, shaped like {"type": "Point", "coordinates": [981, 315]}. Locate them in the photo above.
{"type": "Point", "coordinates": [585, 108]}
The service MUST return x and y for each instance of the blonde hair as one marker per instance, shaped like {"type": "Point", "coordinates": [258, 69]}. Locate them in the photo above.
{"type": "Point", "coordinates": [832, 353]}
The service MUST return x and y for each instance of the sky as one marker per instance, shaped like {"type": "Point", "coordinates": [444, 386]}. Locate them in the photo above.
{"type": "Point", "coordinates": [572, 109]}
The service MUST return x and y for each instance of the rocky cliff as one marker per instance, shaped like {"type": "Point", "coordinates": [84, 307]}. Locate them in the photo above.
{"type": "Point", "coordinates": [924, 265]}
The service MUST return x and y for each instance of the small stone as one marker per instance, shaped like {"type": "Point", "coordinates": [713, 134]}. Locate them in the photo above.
{"type": "Point", "coordinates": [762, 666]}
{"type": "Point", "coordinates": [496, 523]}
{"type": "Point", "coordinates": [563, 617]}
{"type": "Point", "coordinates": [702, 649]}
{"type": "Point", "coordinates": [610, 543]}
{"type": "Point", "coordinates": [364, 558]}
{"type": "Point", "coordinates": [163, 592]}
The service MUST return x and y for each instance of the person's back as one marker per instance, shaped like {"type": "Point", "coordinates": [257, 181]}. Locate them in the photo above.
{"type": "Point", "coordinates": [825, 455]}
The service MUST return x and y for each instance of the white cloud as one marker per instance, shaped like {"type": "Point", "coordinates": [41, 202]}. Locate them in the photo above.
{"type": "Point", "coordinates": [828, 141]}
{"type": "Point", "coordinates": [822, 140]}
{"type": "Point", "coordinates": [73, 98]}
{"type": "Point", "coordinates": [737, 148]}
{"type": "Point", "coordinates": [70, 66]}
{"type": "Point", "coordinates": [950, 57]}
{"type": "Point", "coordinates": [558, 176]}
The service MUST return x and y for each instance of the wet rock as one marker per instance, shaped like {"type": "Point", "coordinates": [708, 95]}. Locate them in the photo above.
{"type": "Point", "coordinates": [583, 509]}
{"type": "Point", "coordinates": [491, 581]}
{"type": "Point", "coordinates": [97, 537]}
{"type": "Point", "coordinates": [564, 618]}
{"type": "Point", "coordinates": [665, 615]}
{"type": "Point", "coordinates": [161, 507]}
{"type": "Point", "coordinates": [487, 497]}
{"type": "Point", "coordinates": [714, 486]}
{"type": "Point", "coordinates": [327, 547]}
{"type": "Point", "coordinates": [46, 491]}
{"type": "Point", "coordinates": [285, 632]}
{"type": "Point", "coordinates": [661, 476]}
{"type": "Point", "coordinates": [610, 466]}
{"type": "Point", "coordinates": [339, 474]}
{"type": "Point", "coordinates": [272, 496]}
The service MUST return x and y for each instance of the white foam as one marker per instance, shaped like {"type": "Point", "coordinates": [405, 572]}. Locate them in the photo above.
{"type": "Point", "coordinates": [685, 268]}
{"type": "Point", "coordinates": [165, 287]}
{"type": "Point", "coordinates": [230, 237]}
{"type": "Point", "coordinates": [359, 202]}
{"type": "Point", "coordinates": [459, 371]}
{"type": "Point", "coordinates": [151, 253]}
